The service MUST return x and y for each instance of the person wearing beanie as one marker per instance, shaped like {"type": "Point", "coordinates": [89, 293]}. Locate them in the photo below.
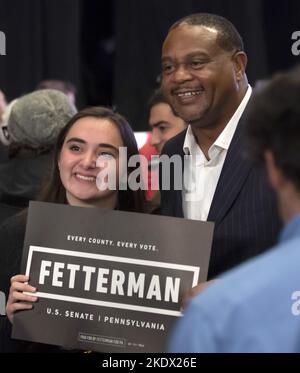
{"type": "Point", "coordinates": [65, 86]}
{"type": "Point", "coordinates": [4, 136]}
{"type": "Point", "coordinates": [32, 126]}
{"type": "Point", "coordinates": [37, 118]}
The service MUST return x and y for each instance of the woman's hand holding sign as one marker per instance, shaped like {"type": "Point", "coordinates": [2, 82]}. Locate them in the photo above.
{"type": "Point", "coordinates": [17, 299]}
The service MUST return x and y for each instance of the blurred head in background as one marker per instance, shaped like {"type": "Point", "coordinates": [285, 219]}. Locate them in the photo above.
{"type": "Point", "coordinates": [3, 104]}
{"type": "Point", "coordinates": [29, 130]}
{"type": "Point", "coordinates": [66, 87]}
{"type": "Point", "coordinates": [164, 123]}
{"type": "Point", "coordinates": [35, 119]}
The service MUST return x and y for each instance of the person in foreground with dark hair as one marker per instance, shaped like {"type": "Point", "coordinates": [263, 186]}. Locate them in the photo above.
{"type": "Point", "coordinates": [204, 80]}
{"type": "Point", "coordinates": [91, 134]}
{"type": "Point", "coordinates": [256, 307]}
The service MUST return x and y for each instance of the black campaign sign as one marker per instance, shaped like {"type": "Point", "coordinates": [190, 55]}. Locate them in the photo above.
{"type": "Point", "coordinates": [107, 280]}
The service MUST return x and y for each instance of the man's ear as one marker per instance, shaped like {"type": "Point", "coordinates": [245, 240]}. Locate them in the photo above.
{"type": "Point", "coordinates": [240, 60]}
{"type": "Point", "coordinates": [276, 178]}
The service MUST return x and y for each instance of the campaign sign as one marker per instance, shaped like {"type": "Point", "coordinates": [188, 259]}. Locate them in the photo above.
{"type": "Point", "coordinates": [108, 281]}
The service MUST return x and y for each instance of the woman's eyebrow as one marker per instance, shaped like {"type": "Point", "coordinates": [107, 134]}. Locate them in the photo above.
{"type": "Point", "coordinates": [101, 145]}
{"type": "Point", "coordinates": [76, 139]}
{"type": "Point", "coordinates": [104, 145]}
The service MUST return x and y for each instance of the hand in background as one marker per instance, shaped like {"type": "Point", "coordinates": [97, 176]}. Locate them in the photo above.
{"type": "Point", "coordinates": [195, 291]}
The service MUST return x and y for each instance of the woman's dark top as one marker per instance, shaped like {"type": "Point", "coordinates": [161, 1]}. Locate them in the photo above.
{"type": "Point", "coordinates": [12, 234]}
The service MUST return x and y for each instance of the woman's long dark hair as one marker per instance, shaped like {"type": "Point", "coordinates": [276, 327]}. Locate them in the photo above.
{"type": "Point", "coordinates": [128, 200]}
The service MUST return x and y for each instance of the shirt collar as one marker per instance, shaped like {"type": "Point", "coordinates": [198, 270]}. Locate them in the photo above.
{"type": "Point", "coordinates": [190, 145]}
{"type": "Point", "coordinates": [223, 141]}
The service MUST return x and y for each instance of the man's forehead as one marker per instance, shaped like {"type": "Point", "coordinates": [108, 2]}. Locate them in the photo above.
{"type": "Point", "coordinates": [190, 31]}
{"type": "Point", "coordinates": [184, 36]}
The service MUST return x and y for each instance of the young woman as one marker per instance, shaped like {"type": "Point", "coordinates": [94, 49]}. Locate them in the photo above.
{"type": "Point", "coordinates": [91, 135]}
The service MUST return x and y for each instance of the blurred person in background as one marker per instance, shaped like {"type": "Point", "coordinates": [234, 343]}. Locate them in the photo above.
{"type": "Point", "coordinates": [31, 127]}
{"type": "Point", "coordinates": [163, 121]}
{"type": "Point", "coordinates": [64, 86]}
{"type": "Point", "coordinates": [164, 124]}
{"type": "Point", "coordinates": [3, 104]}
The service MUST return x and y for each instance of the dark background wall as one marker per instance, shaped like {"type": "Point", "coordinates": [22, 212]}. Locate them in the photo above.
{"type": "Point", "coordinates": [42, 40]}
{"type": "Point", "coordinates": [111, 49]}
